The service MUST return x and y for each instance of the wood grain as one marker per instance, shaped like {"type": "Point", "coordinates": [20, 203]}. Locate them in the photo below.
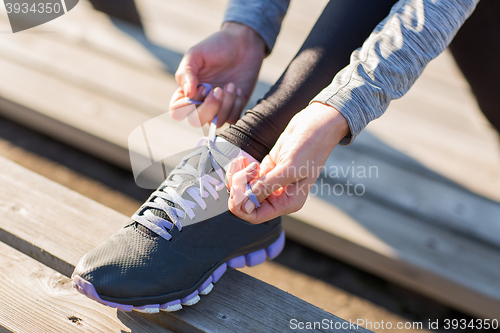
{"type": "Point", "coordinates": [439, 161]}
{"type": "Point", "coordinates": [434, 261]}
{"type": "Point", "coordinates": [57, 226]}
{"type": "Point", "coordinates": [35, 298]}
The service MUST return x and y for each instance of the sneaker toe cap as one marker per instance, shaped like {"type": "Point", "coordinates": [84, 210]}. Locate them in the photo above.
{"type": "Point", "coordinates": [129, 265]}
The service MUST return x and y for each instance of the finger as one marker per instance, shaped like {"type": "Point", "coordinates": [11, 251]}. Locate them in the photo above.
{"type": "Point", "coordinates": [227, 104]}
{"type": "Point", "coordinates": [180, 108]}
{"type": "Point", "coordinates": [199, 97]}
{"type": "Point", "coordinates": [177, 97]}
{"type": "Point", "coordinates": [267, 165]}
{"type": "Point", "coordinates": [201, 93]}
{"type": "Point", "coordinates": [269, 183]}
{"type": "Point", "coordinates": [242, 178]}
{"type": "Point", "coordinates": [186, 74]}
{"type": "Point", "coordinates": [235, 166]}
{"type": "Point", "coordinates": [238, 106]}
{"type": "Point", "coordinates": [277, 204]}
{"type": "Point", "coordinates": [208, 109]}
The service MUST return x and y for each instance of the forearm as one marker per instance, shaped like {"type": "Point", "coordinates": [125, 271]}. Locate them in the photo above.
{"type": "Point", "coordinates": [392, 58]}
{"type": "Point", "coordinates": [263, 16]}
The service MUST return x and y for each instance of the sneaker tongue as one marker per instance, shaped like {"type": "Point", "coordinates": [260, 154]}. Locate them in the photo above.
{"type": "Point", "coordinates": [227, 149]}
{"type": "Point", "coordinates": [224, 147]}
{"type": "Point", "coordinates": [194, 161]}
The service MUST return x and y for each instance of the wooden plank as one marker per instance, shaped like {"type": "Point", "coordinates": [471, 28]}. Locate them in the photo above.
{"type": "Point", "coordinates": [418, 191]}
{"type": "Point", "coordinates": [145, 88]}
{"type": "Point", "coordinates": [437, 125]}
{"type": "Point", "coordinates": [436, 262]}
{"type": "Point", "coordinates": [440, 103]}
{"type": "Point", "coordinates": [35, 298]}
{"type": "Point", "coordinates": [57, 226]}
{"type": "Point", "coordinates": [79, 60]}
{"type": "Point", "coordinates": [441, 90]}
{"type": "Point", "coordinates": [83, 89]}
{"type": "Point", "coordinates": [83, 113]}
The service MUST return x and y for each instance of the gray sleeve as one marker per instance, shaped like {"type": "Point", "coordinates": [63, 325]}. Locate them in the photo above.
{"type": "Point", "coordinates": [392, 58]}
{"type": "Point", "coordinates": [263, 16]}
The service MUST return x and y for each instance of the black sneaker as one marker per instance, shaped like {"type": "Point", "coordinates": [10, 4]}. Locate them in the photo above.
{"type": "Point", "coordinates": [179, 242]}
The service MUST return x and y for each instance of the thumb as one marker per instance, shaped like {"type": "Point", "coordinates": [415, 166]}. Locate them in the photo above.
{"type": "Point", "coordinates": [275, 179]}
{"type": "Point", "coordinates": [186, 75]}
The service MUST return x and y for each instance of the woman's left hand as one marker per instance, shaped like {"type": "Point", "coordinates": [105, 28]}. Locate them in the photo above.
{"type": "Point", "coordinates": [283, 180]}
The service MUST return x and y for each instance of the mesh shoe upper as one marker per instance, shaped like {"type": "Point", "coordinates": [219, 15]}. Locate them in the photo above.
{"type": "Point", "coordinates": [160, 254]}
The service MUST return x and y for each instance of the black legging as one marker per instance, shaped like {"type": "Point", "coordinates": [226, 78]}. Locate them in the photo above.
{"type": "Point", "coordinates": [476, 49]}
{"type": "Point", "coordinates": [343, 27]}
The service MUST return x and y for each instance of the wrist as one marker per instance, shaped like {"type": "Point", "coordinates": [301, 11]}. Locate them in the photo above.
{"type": "Point", "coordinates": [247, 35]}
{"type": "Point", "coordinates": [334, 121]}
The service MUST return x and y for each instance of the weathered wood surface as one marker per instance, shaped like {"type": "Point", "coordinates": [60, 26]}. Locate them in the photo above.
{"type": "Point", "coordinates": [57, 226]}
{"type": "Point", "coordinates": [35, 298]}
{"type": "Point", "coordinates": [76, 89]}
{"type": "Point", "coordinates": [438, 161]}
{"type": "Point", "coordinates": [437, 262]}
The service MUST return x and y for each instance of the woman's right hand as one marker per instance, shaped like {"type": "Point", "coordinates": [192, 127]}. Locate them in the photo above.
{"type": "Point", "coordinates": [230, 62]}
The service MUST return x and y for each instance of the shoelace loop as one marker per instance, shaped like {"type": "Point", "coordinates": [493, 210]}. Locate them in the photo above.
{"type": "Point", "coordinates": [208, 185]}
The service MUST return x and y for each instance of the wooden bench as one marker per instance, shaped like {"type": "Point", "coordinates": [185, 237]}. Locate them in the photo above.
{"type": "Point", "coordinates": [46, 228]}
{"type": "Point", "coordinates": [429, 221]}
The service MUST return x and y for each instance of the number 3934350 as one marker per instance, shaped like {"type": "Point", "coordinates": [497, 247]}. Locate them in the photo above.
{"type": "Point", "coordinates": [26, 14]}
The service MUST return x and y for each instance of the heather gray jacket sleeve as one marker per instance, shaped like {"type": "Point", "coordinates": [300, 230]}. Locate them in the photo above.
{"type": "Point", "coordinates": [263, 16]}
{"type": "Point", "coordinates": [393, 57]}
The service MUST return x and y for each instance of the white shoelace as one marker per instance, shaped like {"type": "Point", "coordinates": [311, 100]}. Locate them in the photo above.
{"type": "Point", "coordinates": [208, 186]}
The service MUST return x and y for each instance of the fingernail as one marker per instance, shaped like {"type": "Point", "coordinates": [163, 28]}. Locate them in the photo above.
{"type": "Point", "coordinates": [218, 93]}
{"type": "Point", "coordinates": [239, 92]}
{"type": "Point", "coordinates": [249, 207]}
{"type": "Point", "coordinates": [185, 89]}
{"type": "Point", "coordinates": [230, 88]}
{"type": "Point", "coordinates": [203, 92]}
{"type": "Point", "coordinates": [231, 167]}
{"type": "Point", "coordinates": [251, 167]}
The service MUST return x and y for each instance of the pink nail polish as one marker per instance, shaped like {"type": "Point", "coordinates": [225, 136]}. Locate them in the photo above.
{"type": "Point", "coordinates": [218, 93]}
{"type": "Point", "coordinates": [249, 207]}
{"type": "Point", "coordinates": [251, 167]}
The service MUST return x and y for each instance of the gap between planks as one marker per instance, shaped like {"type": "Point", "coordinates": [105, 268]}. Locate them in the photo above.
{"type": "Point", "coordinates": [66, 225]}
{"type": "Point", "coordinates": [88, 127]}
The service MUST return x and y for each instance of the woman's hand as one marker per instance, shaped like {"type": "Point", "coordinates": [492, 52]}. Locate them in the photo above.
{"type": "Point", "coordinates": [230, 60]}
{"type": "Point", "coordinates": [282, 181]}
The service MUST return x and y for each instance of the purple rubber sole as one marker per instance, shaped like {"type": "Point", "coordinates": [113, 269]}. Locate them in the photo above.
{"type": "Point", "coordinates": [255, 258]}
